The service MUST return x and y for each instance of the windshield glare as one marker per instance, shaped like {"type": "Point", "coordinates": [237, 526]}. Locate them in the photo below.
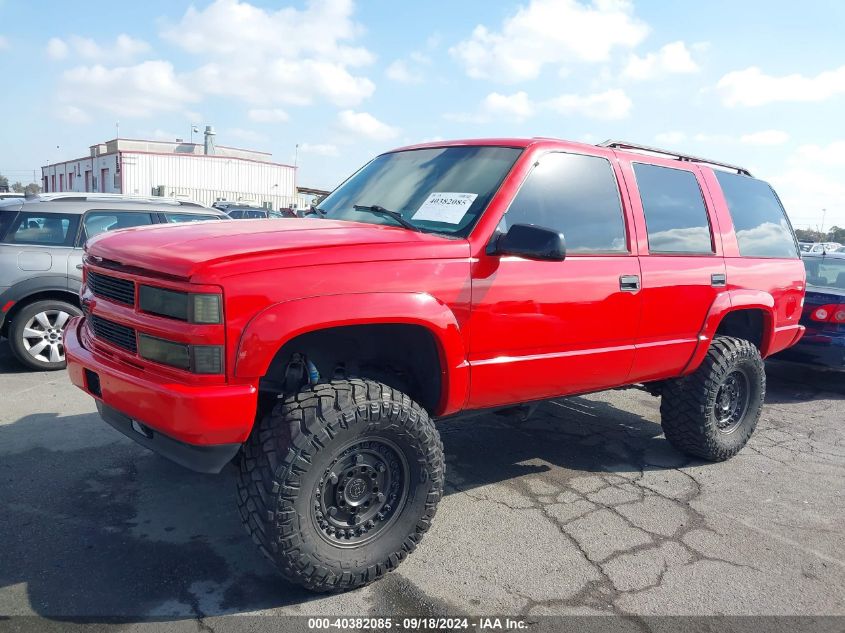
{"type": "Point", "coordinates": [825, 272]}
{"type": "Point", "coordinates": [441, 189]}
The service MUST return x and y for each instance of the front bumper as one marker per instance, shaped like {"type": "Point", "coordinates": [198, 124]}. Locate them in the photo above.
{"type": "Point", "coordinates": [198, 426]}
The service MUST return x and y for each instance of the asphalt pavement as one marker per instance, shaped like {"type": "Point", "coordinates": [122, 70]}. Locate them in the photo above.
{"type": "Point", "coordinates": [583, 509]}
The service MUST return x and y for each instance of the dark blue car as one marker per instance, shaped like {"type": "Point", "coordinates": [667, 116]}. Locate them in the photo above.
{"type": "Point", "coordinates": [824, 313]}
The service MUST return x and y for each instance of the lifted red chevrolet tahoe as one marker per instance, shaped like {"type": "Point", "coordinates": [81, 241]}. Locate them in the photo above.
{"type": "Point", "coordinates": [439, 278]}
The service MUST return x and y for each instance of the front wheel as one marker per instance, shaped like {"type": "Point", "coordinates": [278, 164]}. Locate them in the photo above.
{"type": "Point", "coordinates": [36, 334]}
{"type": "Point", "coordinates": [712, 412]}
{"type": "Point", "coordinates": [340, 482]}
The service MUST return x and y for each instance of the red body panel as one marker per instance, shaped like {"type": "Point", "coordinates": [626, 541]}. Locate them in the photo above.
{"type": "Point", "coordinates": [507, 329]}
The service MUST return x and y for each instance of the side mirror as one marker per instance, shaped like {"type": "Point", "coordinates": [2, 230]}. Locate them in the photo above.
{"type": "Point", "coordinates": [531, 242]}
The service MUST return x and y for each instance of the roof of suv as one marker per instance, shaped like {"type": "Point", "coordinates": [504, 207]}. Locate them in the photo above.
{"type": "Point", "coordinates": [82, 202]}
{"type": "Point", "coordinates": [622, 146]}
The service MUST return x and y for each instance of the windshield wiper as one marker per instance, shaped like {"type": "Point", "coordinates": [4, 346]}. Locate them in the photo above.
{"type": "Point", "coordinates": [321, 213]}
{"type": "Point", "coordinates": [375, 208]}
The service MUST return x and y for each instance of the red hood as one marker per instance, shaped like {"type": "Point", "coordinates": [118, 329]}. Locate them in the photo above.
{"type": "Point", "coordinates": [183, 250]}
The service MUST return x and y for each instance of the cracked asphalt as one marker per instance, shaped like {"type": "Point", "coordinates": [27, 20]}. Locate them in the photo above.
{"type": "Point", "coordinates": [583, 509]}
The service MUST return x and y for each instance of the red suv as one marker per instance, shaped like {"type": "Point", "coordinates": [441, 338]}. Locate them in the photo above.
{"type": "Point", "coordinates": [439, 278]}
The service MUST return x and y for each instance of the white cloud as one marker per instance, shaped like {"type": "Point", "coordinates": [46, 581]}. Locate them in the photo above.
{"type": "Point", "coordinates": [811, 181]}
{"type": "Point", "coordinates": [272, 115]}
{"type": "Point", "coordinates": [549, 32]}
{"type": "Point", "coordinates": [517, 106]}
{"type": "Point", "coordinates": [250, 136]}
{"type": "Point", "coordinates": [612, 104]}
{"type": "Point", "coordinates": [4, 43]}
{"type": "Point", "coordinates": [399, 70]}
{"type": "Point", "coordinates": [832, 154]}
{"type": "Point", "coordinates": [671, 138]}
{"type": "Point", "coordinates": [765, 137]}
{"type": "Point", "coordinates": [494, 107]}
{"type": "Point", "coordinates": [126, 91]}
{"type": "Point", "coordinates": [282, 56]}
{"type": "Point", "coordinates": [56, 48]}
{"type": "Point", "coordinates": [752, 87]}
{"type": "Point", "coordinates": [72, 114]}
{"type": "Point", "coordinates": [319, 149]}
{"type": "Point", "coordinates": [608, 105]}
{"type": "Point", "coordinates": [366, 125]}
{"type": "Point", "coordinates": [124, 49]}
{"type": "Point", "coordinates": [674, 58]}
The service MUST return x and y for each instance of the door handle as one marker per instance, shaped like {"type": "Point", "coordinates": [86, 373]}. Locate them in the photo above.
{"type": "Point", "coordinates": [718, 280]}
{"type": "Point", "coordinates": [79, 267]}
{"type": "Point", "coordinates": [629, 283]}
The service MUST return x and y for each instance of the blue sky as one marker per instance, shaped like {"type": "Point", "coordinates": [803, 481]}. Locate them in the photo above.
{"type": "Point", "coordinates": [756, 83]}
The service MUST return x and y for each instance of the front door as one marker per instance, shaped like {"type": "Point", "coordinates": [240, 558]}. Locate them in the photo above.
{"type": "Point", "coordinates": [541, 329]}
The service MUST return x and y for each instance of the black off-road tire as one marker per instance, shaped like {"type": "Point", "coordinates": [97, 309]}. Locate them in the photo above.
{"type": "Point", "coordinates": [689, 407]}
{"type": "Point", "coordinates": [285, 462]}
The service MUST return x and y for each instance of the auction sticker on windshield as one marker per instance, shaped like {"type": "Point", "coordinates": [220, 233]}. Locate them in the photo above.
{"type": "Point", "coordinates": [445, 207]}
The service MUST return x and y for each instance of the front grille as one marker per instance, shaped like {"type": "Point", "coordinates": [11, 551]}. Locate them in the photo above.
{"type": "Point", "coordinates": [114, 333]}
{"type": "Point", "coordinates": [114, 288]}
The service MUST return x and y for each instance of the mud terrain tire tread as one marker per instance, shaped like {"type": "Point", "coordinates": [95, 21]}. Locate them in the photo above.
{"type": "Point", "coordinates": [281, 450]}
{"type": "Point", "coordinates": [686, 406]}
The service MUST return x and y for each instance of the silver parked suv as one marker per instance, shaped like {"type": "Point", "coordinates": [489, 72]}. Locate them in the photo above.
{"type": "Point", "coordinates": [41, 240]}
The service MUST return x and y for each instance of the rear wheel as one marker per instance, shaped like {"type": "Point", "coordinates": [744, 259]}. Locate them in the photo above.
{"type": "Point", "coordinates": [340, 482]}
{"type": "Point", "coordinates": [36, 334]}
{"type": "Point", "coordinates": [713, 412]}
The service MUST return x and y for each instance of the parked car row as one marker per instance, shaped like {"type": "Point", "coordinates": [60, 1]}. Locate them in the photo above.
{"type": "Point", "coordinates": [821, 247]}
{"type": "Point", "coordinates": [823, 343]}
{"type": "Point", "coordinates": [41, 240]}
{"type": "Point", "coordinates": [241, 211]}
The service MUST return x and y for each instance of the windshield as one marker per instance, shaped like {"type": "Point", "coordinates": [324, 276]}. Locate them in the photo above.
{"type": "Point", "coordinates": [441, 189]}
{"type": "Point", "coordinates": [826, 272]}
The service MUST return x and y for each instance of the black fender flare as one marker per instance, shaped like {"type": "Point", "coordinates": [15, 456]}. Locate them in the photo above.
{"type": "Point", "coordinates": [18, 293]}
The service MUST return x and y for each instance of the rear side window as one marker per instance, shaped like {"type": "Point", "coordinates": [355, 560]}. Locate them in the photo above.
{"type": "Point", "coordinates": [674, 209]}
{"type": "Point", "coordinates": [43, 229]}
{"type": "Point", "coordinates": [762, 229]}
{"type": "Point", "coordinates": [97, 222]}
{"type": "Point", "coordinates": [575, 195]}
{"type": "Point", "coordinates": [174, 218]}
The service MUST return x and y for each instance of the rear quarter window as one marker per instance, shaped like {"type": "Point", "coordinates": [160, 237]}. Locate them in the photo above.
{"type": "Point", "coordinates": [762, 229]}
{"type": "Point", "coordinates": [43, 229]}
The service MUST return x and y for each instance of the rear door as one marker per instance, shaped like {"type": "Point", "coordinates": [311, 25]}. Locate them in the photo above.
{"type": "Point", "coordinates": [38, 244]}
{"type": "Point", "coordinates": [540, 329]}
{"type": "Point", "coordinates": [681, 259]}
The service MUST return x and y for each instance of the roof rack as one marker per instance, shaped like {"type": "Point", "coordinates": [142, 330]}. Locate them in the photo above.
{"type": "Point", "coordinates": [676, 155]}
{"type": "Point", "coordinates": [82, 196]}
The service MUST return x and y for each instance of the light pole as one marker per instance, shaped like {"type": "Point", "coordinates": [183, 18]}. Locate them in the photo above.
{"type": "Point", "coordinates": [824, 213]}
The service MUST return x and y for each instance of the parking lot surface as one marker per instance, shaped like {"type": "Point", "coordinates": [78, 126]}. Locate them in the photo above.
{"type": "Point", "coordinates": [583, 509]}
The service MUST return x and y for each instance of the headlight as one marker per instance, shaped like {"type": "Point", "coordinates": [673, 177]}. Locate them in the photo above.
{"type": "Point", "coordinates": [194, 308]}
{"type": "Point", "coordinates": [199, 359]}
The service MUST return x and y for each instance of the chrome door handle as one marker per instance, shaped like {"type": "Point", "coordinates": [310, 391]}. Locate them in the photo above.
{"type": "Point", "coordinates": [718, 280]}
{"type": "Point", "coordinates": [79, 267]}
{"type": "Point", "coordinates": [629, 283]}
